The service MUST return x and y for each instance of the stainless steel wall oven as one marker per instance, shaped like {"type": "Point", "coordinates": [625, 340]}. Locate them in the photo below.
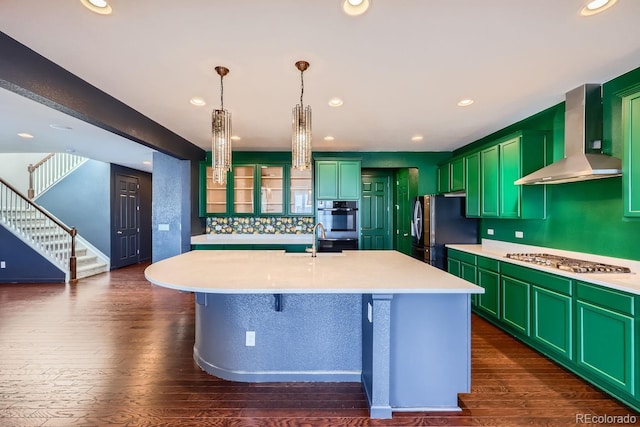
{"type": "Point", "coordinates": [340, 219]}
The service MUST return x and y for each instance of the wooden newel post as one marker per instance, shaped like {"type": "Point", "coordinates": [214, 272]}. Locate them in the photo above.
{"type": "Point", "coordinates": [72, 260]}
{"type": "Point", "coordinates": [30, 192]}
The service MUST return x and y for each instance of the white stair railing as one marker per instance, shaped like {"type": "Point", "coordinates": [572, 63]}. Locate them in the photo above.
{"type": "Point", "coordinates": [38, 227]}
{"type": "Point", "coordinates": [50, 170]}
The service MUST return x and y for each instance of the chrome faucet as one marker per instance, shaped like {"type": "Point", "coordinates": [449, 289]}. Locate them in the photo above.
{"type": "Point", "coordinates": [315, 235]}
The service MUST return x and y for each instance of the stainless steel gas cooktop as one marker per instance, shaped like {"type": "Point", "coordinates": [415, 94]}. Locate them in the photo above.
{"type": "Point", "coordinates": [568, 264]}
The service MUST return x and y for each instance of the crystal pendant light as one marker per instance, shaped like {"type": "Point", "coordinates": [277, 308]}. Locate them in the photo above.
{"type": "Point", "coordinates": [221, 136]}
{"type": "Point", "coordinates": [301, 126]}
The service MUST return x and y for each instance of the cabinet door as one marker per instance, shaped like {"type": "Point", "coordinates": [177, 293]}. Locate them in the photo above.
{"type": "Point", "coordinates": [349, 180]}
{"type": "Point", "coordinates": [490, 300]}
{"type": "Point", "coordinates": [271, 190]}
{"type": "Point", "coordinates": [552, 321]}
{"type": "Point", "coordinates": [472, 185]}
{"type": "Point", "coordinates": [468, 272]}
{"type": "Point", "coordinates": [457, 174]}
{"type": "Point", "coordinates": [444, 179]}
{"type": "Point", "coordinates": [489, 182]}
{"type": "Point", "coordinates": [453, 266]}
{"type": "Point", "coordinates": [327, 180]}
{"type": "Point", "coordinates": [510, 170]}
{"type": "Point", "coordinates": [243, 189]}
{"type": "Point", "coordinates": [515, 304]}
{"type": "Point", "coordinates": [300, 192]}
{"type": "Point", "coordinates": [214, 197]}
{"type": "Point", "coordinates": [631, 164]}
{"type": "Point", "coordinates": [605, 345]}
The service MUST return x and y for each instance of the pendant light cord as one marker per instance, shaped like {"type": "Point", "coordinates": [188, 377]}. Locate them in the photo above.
{"type": "Point", "coordinates": [301, 87]}
{"type": "Point", "coordinates": [221, 94]}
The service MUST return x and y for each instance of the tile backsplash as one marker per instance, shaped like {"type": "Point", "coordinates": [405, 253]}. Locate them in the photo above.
{"type": "Point", "coordinates": [259, 225]}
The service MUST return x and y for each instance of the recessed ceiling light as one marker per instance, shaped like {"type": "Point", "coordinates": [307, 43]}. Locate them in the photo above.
{"type": "Point", "coordinates": [60, 127]}
{"type": "Point", "coordinates": [329, 138]}
{"type": "Point", "coordinates": [98, 6]}
{"type": "Point", "coordinates": [198, 102]}
{"type": "Point", "coordinates": [25, 135]}
{"type": "Point", "coordinates": [235, 138]}
{"type": "Point", "coordinates": [465, 102]}
{"type": "Point", "coordinates": [355, 7]}
{"type": "Point", "coordinates": [596, 6]}
{"type": "Point", "coordinates": [416, 138]}
{"type": "Point", "coordinates": [335, 102]}
{"type": "Point", "coordinates": [146, 162]}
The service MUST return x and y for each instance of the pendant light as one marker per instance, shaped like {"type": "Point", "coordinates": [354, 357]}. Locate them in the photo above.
{"type": "Point", "coordinates": [221, 136]}
{"type": "Point", "coordinates": [301, 127]}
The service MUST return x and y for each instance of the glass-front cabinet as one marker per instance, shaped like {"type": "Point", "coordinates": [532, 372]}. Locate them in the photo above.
{"type": "Point", "coordinates": [300, 192]}
{"type": "Point", "coordinates": [243, 189]}
{"type": "Point", "coordinates": [215, 195]}
{"type": "Point", "coordinates": [257, 189]}
{"type": "Point", "coordinates": [272, 189]}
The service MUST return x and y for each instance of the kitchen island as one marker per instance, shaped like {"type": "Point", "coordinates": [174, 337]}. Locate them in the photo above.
{"type": "Point", "coordinates": [399, 326]}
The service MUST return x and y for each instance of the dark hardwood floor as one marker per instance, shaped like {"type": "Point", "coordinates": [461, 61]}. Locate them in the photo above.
{"type": "Point", "coordinates": [115, 350]}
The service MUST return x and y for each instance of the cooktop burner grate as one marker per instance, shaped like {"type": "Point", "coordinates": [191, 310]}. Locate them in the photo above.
{"type": "Point", "coordinates": [568, 264]}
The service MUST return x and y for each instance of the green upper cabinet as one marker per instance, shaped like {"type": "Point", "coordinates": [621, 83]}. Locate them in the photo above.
{"type": "Point", "coordinates": [490, 186]}
{"type": "Point", "coordinates": [451, 176]}
{"type": "Point", "coordinates": [457, 174]}
{"type": "Point", "coordinates": [472, 185]}
{"type": "Point", "coordinates": [338, 180]}
{"type": "Point", "coordinates": [489, 182]}
{"type": "Point", "coordinates": [631, 163]}
{"type": "Point", "coordinates": [444, 178]}
{"type": "Point", "coordinates": [268, 189]}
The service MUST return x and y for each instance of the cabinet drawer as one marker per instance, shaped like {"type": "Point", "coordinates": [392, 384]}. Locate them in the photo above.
{"type": "Point", "coordinates": [544, 280]}
{"type": "Point", "coordinates": [489, 264]}
{"type": "Point", "coordinates": [462, 256]}
{"type": "Point", "coordinates": [613, 300]}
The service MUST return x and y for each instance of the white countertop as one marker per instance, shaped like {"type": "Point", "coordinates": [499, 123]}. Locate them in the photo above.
{"type": "Point", "coordinates": [252, 239]}
{"type": "Point", "coordinates": [629, 282]}
{"type": "Point", "coordinates": [249, 272]}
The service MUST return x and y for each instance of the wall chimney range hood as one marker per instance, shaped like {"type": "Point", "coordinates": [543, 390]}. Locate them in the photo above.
{"type": "Point", "coordinates": [583, 128]}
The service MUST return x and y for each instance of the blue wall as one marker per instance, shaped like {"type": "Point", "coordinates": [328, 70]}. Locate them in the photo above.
{"type": "Point", "coordinates": [82, 200]}
{"type": "Point", "coordinates": [23, 264]}
{"type": "Point", "coordinates": [171, 188]}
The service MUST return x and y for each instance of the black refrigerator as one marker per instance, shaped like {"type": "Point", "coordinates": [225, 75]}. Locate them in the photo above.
{"type": "Point", "coordinates": [437, 220]}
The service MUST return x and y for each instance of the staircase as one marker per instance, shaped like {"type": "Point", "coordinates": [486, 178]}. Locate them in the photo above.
{"type": "Point", "coordinates": [48, 235]}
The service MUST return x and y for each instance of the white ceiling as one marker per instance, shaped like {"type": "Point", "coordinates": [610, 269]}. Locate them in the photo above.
{"type": "Point", "coordinates": [400, 68]}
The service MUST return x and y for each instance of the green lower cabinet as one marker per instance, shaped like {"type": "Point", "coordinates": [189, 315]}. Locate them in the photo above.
{"type": "Point", "coordinates": [490, 300]}
{"type": "Point", "coordinates": [516, 304]}
{"type": "Point", "coordinates": [552, 321]}
{"type": "Point", "coordinates": [606, 345]}
{"type": "Point", "coordinates": [453, 266]}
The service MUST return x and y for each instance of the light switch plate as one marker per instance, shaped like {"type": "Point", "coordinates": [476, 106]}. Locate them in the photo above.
{"type": "Point", "coordinates": [163, 227]}
{"type": "Point", "coordinates": [3, 264]}
{"type": "Point", "coordinates": [490, 231]}
{"type": "Point", "coordinates": [519, 234]}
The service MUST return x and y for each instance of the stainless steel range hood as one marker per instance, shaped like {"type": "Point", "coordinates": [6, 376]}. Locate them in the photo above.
{"type": "Point", "coordinates": [583, 127]}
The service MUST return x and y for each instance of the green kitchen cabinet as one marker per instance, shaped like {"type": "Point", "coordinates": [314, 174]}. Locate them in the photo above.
{"type": "Point", "coordinates": [444, 178]}
{"type": "Point", "coordinates": [457, 178]}
{"type": "Point", "coordinates": [338, 180]}
{"type": "Point", "coordinates": [490, 182]}
{"type": "Point", "coordinates": [606, 336]}
{"type": "Point", "coordinates": [472, 185]}
{"type": "Point", "coordinates": [214, 198]}
{"type": "Point", "coordinates": [489, 280]}
{"type": "Point", "coordinates": [463, 265]}
{"type": "Point", "coordinates": [631, 162]}
{"type": "Point", "coordinates": [515, 304]}
{"type": "Point", "coordinates": [521, 155]}
{"type": "Point", "coordinates": [552, 320]}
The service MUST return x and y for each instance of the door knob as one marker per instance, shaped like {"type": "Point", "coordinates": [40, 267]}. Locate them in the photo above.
{"type": "Point", "coordinates": [119, 232]}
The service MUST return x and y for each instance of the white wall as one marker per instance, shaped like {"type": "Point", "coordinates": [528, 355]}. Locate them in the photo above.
{"type": "Point", "coordinates": [13, 168]}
